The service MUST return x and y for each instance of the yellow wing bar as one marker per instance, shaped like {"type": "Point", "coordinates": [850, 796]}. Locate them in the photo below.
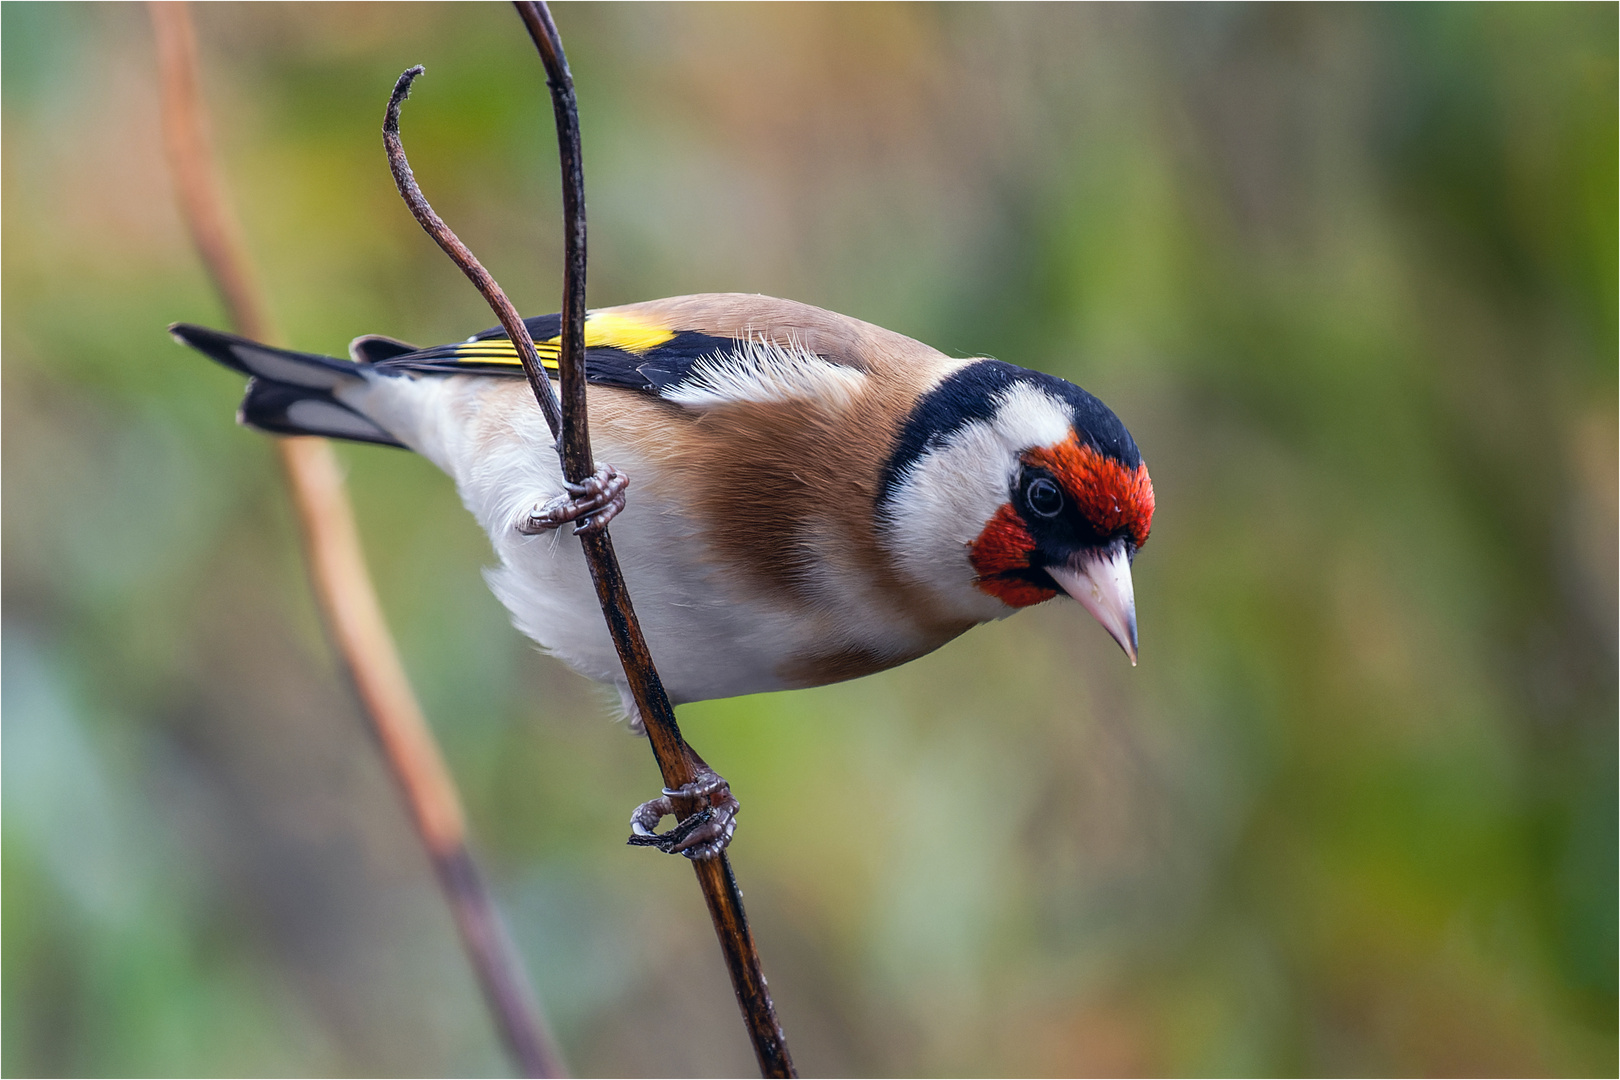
{"type": "Point", "coordinates": [604, 329]}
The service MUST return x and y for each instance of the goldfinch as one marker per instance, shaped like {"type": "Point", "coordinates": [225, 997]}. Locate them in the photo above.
{"type": "Point", "coordinates": [815, 498]}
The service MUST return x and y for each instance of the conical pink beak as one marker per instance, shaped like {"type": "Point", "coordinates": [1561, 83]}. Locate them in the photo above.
{"type": "Point", "coordinates": [1101, 581]}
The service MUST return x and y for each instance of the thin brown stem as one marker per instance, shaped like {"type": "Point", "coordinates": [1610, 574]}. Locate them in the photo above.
{"type": "Point", "coordinates": [342, 584]}
{"type": "Point", "coordinates": [576, 441]}
{"type": "Point", "coordinates": [213, 226]}
{"type": "Point", "coordinates": [678, 764]}
{"type": "Point", "coordinates": [676, 761]}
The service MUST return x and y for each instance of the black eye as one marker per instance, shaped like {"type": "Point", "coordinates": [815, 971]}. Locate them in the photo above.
{"type": "Point", "coordinates": [1044, 497]}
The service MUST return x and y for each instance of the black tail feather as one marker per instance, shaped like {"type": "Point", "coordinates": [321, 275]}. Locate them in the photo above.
{"type": "Point", "coordinates": [311, 370]}
{"type": "Point", "coordinates": [290, 393]}
{"type": "Point", "coordinates": [295, 410]}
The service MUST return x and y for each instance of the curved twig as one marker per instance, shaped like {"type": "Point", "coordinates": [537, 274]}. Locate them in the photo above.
{"type": "Point", "coordinates": [487, 286]}
{"type": "Point", "coordinates": [678, 764]}
{"type": "Point", "coordinates": [348, 602]}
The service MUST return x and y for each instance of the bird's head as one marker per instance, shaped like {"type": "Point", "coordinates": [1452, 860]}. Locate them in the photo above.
{"type": "Point", "coordinates": [1007, 486]}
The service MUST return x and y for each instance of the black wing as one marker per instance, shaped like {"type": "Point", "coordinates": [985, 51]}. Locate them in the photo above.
{"type": "Point", "coordinates": [620, 350]}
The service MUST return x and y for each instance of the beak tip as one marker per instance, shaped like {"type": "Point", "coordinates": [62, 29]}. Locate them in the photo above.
{"type": "Point", "coordinates": [1101, 582]}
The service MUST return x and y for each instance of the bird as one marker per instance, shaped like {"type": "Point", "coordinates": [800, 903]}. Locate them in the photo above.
{"type": "Point", "coordinates": [814, 498]}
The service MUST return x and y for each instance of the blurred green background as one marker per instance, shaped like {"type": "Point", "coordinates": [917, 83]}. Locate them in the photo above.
{"type": "Point", "coordinates": [1348, 273]}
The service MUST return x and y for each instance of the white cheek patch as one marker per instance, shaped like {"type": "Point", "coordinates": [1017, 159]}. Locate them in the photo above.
{"type": "Point", "coordinates": [940, 507]}
{"type": "Point", "coordinates": [766, 373]}
{"type": "Point", "coordinates": [945, 498]}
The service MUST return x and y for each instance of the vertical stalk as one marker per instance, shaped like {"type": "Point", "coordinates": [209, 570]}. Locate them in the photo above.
{"type": "Point", "coordinates": [675, 761]}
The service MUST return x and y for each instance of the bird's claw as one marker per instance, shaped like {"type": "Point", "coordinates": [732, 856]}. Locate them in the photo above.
{"type": "Point", "coordinates": [666, 842]}
{"type": "Point", "coordinates": [590, 505]}
{"type": "Point", "coordinates": [704, 834]}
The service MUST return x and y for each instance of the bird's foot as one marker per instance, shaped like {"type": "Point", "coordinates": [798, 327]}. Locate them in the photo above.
{"type": "Point", "coordinates": [705, 833]}
{"type": "Point", "coordinates": [590, 505]}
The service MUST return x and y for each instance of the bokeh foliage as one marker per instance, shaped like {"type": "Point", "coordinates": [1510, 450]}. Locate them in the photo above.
{"type": "Point", "coordinates": [1349, 274]}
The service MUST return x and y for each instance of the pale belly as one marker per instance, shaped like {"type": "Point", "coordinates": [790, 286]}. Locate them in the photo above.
{"type": "Point", "coordinates": [707, 641]}
{"type": "Point", "coordinates": [709, 636]}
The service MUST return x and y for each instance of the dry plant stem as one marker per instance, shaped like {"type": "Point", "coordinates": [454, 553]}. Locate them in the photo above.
{"type": "Point", "coordinates": [678, 764]}
{"type": "Point", "coordinates": [343, 586]}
